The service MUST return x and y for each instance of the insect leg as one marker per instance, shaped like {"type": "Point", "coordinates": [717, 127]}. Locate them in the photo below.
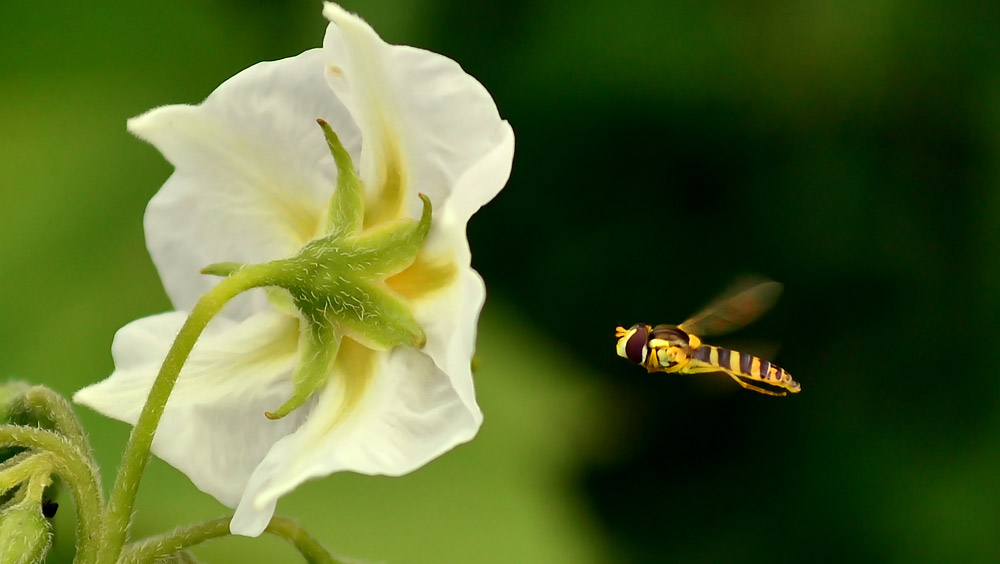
{"type": "Point", "coordinates": [755, 388]}
{"type": "Point", "coordinates": [668, 358]}
{"type": "Point", "coordinates": [677, 366]}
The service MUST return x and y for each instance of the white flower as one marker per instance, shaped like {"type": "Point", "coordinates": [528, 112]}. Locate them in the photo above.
{"type": "Point", "coordinates": [253, 182]}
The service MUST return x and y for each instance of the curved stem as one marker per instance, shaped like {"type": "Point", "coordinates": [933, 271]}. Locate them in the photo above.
{"type": "Point", "coordinates": [122, 501]}
{"type": "Point", "coordinates": [151, 550]}
{"type": "Point", "coordinates": [73, 465]}
{"type": "Point", "coordinates": [41, 400]}
{"type": "Point", "coordinates": [309, 547]}
{"type": "Point", "coordinates": [22, 466]}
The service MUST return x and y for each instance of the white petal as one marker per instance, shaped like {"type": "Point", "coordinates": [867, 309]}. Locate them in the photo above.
{"type": "Point", "coordinates": [450, 319]}
{"type": "Point", "coordinates": [443, 120]}
{"type": "Point", "coordinates": [482, 181]}
{"type": "Point", "coordinates": [213, 428]}
{"type": "Point", "coordinates": [409, 415]}
{"type": "Point", "coordinates": [253, 173]}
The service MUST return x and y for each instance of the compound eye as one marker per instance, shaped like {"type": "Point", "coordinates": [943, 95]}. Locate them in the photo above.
{"type": "Point", "coordinates": [635, 348]}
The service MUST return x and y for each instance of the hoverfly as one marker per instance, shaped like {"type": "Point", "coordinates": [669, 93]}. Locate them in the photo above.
{"type": "Point", "coordinates": [678, 348]}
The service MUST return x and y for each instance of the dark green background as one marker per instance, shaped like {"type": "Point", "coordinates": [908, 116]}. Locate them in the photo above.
{"type": "Point", "coordinates": [848, 150]}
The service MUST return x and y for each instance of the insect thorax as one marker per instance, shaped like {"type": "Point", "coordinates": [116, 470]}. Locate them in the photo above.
{"type": "Point", "coordinates": [669, 334]}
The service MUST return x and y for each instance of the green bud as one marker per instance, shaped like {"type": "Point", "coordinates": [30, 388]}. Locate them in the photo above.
{"type": "Point", "coordinates": [25, 534]}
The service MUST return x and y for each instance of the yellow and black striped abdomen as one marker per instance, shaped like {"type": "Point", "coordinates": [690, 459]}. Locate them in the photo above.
{"type": "Point", "coordinates": [708, 358]}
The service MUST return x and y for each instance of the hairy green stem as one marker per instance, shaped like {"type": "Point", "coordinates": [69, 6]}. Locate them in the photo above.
{"type": "Point", "coordinates": [309, 547]}
{"type": "Point", "coordinates": [76, 469]}
{"type": "Point", "coordinates": [122, 501]}
{"type": "Point", "coordinates": [43, 402]}
{"type": "Point", "coordinates": [153, 549]}
{"type": "Point", "coordinates": [23, 466]}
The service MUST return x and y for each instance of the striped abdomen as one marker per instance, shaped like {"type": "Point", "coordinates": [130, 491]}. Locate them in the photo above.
{"type": "Point", "coordinates": [743, 365]}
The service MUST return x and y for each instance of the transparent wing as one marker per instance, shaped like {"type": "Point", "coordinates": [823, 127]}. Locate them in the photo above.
{"type": "Point", "coordinates": [742, 303]}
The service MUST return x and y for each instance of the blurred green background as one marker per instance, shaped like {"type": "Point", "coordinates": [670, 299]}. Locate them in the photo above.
{"type": "Point", "coordinates": [849, 150]}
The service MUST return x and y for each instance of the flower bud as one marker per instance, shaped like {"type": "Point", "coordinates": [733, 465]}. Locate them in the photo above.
{"type": "Point", "coordinates": [25, 534]}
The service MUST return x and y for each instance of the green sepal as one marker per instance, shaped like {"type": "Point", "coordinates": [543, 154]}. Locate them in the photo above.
{"type": "Point", "coordinates": [25, 534]}
{"type": "Point", "coordinates": [393, 246]}
{"type": "Point", "coordinates": [347, 206]}
{"type": "Point", "coordinates": [318, 346]}
{"type": "Point", "coordinates": [385, 320]}
{"type": "Point", "coordinates": [367, 309]}
{"type": "Point", "coordinates": [222, 268]}
{"type": "Point", "coordinates": [281, 300]}
{"type": "Point", "coordinates": [341, 280]}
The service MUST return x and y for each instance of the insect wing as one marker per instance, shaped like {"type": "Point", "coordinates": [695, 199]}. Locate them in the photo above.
{"type": "Point", "coordinates": [743, 303]}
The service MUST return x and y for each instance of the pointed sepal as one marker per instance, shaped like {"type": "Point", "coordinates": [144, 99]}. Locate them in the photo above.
{"type": "Point", "coordinates": [393, 246]}
{"type": "Point", "coordinates": [347, 206]}
{"type": "Point", "coordinates": [222, 268]}
{"type": "Point", "coordinates": [381, 320]}
{"type": "Point", "coordinates": [319, 342]}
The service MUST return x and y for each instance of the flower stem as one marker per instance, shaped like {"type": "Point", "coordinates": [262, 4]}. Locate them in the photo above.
{"type": "Point", "coordinates": [153, 549]}
{"type": "Point", "coordinates": [120, 505]}
{"type": "Point", "coordinates": [310, 548]}
{"type": "Point", "coordinates": [73, 466]}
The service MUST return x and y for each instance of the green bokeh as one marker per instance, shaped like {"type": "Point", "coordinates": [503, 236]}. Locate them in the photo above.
{"type": "Point", "coordinates": [848, 150]}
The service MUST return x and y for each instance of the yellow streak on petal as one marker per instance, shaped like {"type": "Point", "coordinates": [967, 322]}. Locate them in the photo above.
{"type": "Point", "coordinates": [390, 180]}
{"type": "Point", "coordinates": [230, 369]}
{"type": "Point", "coordinates": [425, 276]}
{"type": "Point", "coordinates": [354, 369]}
{"type": "Point", "coordinates": [301, 222]}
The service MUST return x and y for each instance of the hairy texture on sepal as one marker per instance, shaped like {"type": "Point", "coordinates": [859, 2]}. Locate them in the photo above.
{"type": "Point", "coordinates": [340, 280]}
{"type": "Point", "coordinates": [347, 206]}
